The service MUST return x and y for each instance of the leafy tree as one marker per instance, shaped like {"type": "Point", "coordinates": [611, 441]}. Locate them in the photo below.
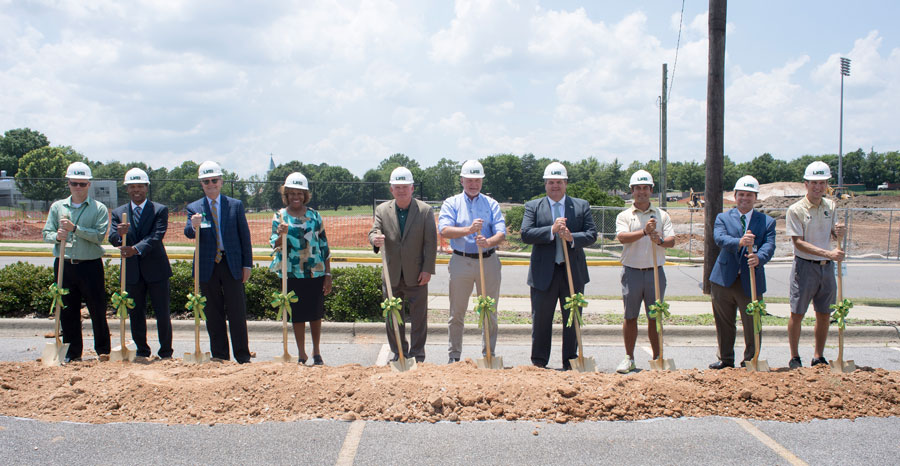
{"type": "Point", "coordinates": [15, 143]}
{"type": "Point", "coordinates": [179, 188]}
{"type": "Point", "coordinates": [116, 171]}
{"type": "Point", "coordinates": [275, 179]}
{"type": "Point", "coordinates": [593, 194]}
{"type": "Point", "coordinates": [333, 187]}
{"type": "Point", "coordinates": [42, 171]}
{"type": "Point", "coordinates": [503, 178]}
{"type": "Point", "coordinates": [442, 179]}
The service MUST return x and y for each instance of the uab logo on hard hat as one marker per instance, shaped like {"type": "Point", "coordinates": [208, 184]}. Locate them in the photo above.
{"type": "Point", "coordinates": [476, 171]}
{"type": "Point", "coordinates": [135, 177]}
{"type": "Point", "coordinates": [643, 178]}
{"type": "Point", "coordinates": [819, 172]}
{"type": "Point", "coordinates": [401, 177]}
{"type": "Point", "coordinates": [749, 185]}
{"type": "Point", "coordinates": [556, 172]}
{"type": "Point", "coordinates": [78, 172]}
{"type": "Point", "coordinates": [208, 170]}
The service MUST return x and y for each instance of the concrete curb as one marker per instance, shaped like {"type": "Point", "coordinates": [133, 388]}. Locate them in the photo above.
{"type": "Point", "coordinates": [374, 332]}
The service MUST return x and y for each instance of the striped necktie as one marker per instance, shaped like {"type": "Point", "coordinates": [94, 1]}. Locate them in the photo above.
{"type": "Point", "coordinates": [215, 219]}
{"type": "Point", "coordinates": [559, 246]}
{"type": "Point", "coordinates": [136, 216]}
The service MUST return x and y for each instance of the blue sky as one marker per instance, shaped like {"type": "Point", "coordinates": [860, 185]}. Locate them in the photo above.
{"type": "Point", "coordinates": [351, 82]}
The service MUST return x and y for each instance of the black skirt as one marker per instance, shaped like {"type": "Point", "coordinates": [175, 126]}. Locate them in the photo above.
{"type": "Point", "coordinates": [311, 304]}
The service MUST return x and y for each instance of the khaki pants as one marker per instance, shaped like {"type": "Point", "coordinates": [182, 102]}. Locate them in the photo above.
{"type": "Point", "coordinates": [464, 273]}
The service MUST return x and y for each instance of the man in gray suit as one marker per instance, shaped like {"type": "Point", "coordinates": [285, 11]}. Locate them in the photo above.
{"type": "Point", "coordinates": [405, 228]}
{"type": "Point", "coordinates": [545, 219]}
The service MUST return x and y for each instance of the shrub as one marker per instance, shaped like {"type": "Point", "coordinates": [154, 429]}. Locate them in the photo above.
{"type": "Point", "coordinates": [356, 294]}
{"type": "Point", "coordinates": [514, 217]}
{"type": "Point", "coordinates": [259, 293]}
{"type": "Point", "coordinates": [24, 289]}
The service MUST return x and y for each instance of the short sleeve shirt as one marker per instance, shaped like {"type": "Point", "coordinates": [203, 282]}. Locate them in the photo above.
{"type": "Point", "coordinates": [811, 223]}
{"type": "Point", "coordinates": [637, 254]}
{"type": "Point", "coordinates": [307, 245]}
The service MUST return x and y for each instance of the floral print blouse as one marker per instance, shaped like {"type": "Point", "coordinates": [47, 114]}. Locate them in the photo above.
{"type": "Point", "coordinates": [307, 245]}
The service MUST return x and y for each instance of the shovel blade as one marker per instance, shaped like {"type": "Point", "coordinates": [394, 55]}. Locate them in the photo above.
{"type": "Point", "coordinates": [196, 358]}
{"type": "Point", "coordinates": [127, 353]}
{"type": "Point", "coordinates": [583, 365]}
{"type": "Point", "coordinates": [842, 366]}
{"type": "Point", "coordinates": [285, 358]}
{"type": "Point", "coordinates": [54, 354]}
{"type": "Point", "coordinates": [662, 365]}
{"type": "Point", "coordinates": [407, 365]}
{"type": "Point", "coordinates": [496, 362]}
{"type": "Point", "coordinates": [758, 366]}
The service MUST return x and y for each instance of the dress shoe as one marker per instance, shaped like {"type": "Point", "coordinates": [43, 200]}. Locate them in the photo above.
{"type": "Point", "coordinates": [795, 363]}
{"type": "Point", "coordinates": [103, 357]}
{"type": "Point", "coordinates": [68, 360]}
{"type": "Point", "coordinates": [721, 365]}
{"type": "Point", "coordinates": [317, 360]}
{"type": "Point", "coordinates": [452, 360]}
{"type": "Point", "coordinates": [817, 361]}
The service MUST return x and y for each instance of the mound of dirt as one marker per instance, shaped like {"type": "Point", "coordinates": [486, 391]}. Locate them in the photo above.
{"type": "Point", "coordinates": [176, 393]}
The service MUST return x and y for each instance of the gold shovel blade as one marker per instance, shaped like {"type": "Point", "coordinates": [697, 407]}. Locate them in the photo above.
{"type": "Point", "coordinates": [583, 365]}
{"type": "Point", "coordinates": [397, 366]}
{"type": "Point", "coordinates": [842, 366]}
{"type": "Point", "coordinates": [759, 366]}
{"type": "Point", "coordinates": [196, 358]}
{"type": "Point", "coordinates": [128, 353]}
{"type": "Point", "coordinates": [496, 362]}
{"type": "Point", "coordinates": [54, 354]}
{"type": "Point", "coordinates": [285, 358]}
{"type": "Point", "coordinates": [662, 365]}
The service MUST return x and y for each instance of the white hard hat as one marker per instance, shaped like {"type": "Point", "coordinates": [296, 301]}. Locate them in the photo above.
{"type": "Point", "coordinates": [209, 169]}
{"type": "Point", "coordinates": [817, 171]}
{"type": "Point", "coordinates": [401, 175]}
{"type": "Point", "coordinates": [472, 169]}
{"type": "Point", "coordinates": [747, 183]}
{"type": "Point", "coordinates": [641, 177]}
{"type": "Point", "coordinates": [78, 171]}
{"type": "Point", "coordinates": [555, 171]}
{"type": "Point", "coordinates": [136, 176]}
{"type": "Point", "coordinates": [296, 180]}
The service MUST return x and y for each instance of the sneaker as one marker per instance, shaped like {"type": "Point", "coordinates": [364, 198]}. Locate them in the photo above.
{"type": "Point", "coordinates": [817, 361]}
{"type": "Point", "coordinates": [452, 360]}
{"type": "Point", "coordinates": [795, 363]}
{"type": "Point", "coordinates": [626, 366]}
{"type": "Point", "coordinates": [317, 360]}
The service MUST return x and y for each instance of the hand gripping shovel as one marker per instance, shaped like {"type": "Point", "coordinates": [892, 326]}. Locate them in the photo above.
{"type": "Point", "coordinates": [283, 300]}
{"type": "Point", "coordinates": [658, 311]}
{"type": "Point", "coordinates": [392, 313]}
{"type": "Point", "coordinates": [122, 303]}
{"type": "Point", "coordinates": [55, 351]}
{"type": "Point", "coordinates": [486, 307]}
{"type": "Point", "coordinates": [196, 303]}
{"type": "Point", "coordinates": [574, 303]}
{"type": "Point", "coordinates": [841, 309]}
{"type": "Point", "coordinates": [757, 310]}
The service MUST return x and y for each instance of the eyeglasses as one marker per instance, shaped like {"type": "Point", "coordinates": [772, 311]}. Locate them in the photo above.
{"type": "Point", "coordinates": [211, 180]}
{"type": "Point", "coordinates": [82, 184]}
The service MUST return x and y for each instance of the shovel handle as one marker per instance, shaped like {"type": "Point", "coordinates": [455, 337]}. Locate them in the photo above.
{"type": "Point", "coordinates": [565, 248]}
{"type": "Point", "coordinates": [59, 284]}
{"type": "Point", "coordinates": [284, 280]}
{"type": "Point", "coordinates": [197, 289]}
{"type": "Point", "coordinates": [658, 297]}
{"type": "Point", "coordinates": [387, 286]}
{"type": "Point", "coordinates": [485, 318]}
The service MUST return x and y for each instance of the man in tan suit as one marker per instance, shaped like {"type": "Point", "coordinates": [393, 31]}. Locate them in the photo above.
{"type": "Point", "coordinates": [405, 228]}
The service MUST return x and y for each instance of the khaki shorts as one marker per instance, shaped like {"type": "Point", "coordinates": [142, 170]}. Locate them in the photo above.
{"type": "Point", "coordinates": [812, 281]}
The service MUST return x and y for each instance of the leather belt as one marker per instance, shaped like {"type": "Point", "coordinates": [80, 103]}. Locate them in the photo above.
{"type": "Point", "coordinates": [819, 262]}
{"type": "Point", "coordinates": [642, 270]}
{"type": "Point", "coordinates": [484, 254]}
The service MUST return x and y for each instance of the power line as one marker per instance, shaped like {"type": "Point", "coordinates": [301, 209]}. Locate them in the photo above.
{"type": "Point", "coordinates": [677, 47]}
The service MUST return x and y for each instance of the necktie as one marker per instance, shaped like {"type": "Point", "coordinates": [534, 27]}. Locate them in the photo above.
{"type": "Point", "coordinates": [136, 217]}
{"type": "Point", "coordinates": [215, 219]}
{"type": "Point", "coordinates": [743, 224]}
{"type": "Point", "coordinates": [557, 213]}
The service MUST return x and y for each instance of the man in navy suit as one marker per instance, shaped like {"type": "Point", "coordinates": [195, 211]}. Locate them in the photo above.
{"type": "Point", "coordinates": [225, 262]}
{"type": "Point", "coordinates": [747, 239]}
{"type": "Point", "coordinates": [547, 218]}
{"type": "Point", "coordinates": [147, 266]}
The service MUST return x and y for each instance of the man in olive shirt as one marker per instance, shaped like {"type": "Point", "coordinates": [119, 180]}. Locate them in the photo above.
{"type": "Point", "coordinates": [82, 223]}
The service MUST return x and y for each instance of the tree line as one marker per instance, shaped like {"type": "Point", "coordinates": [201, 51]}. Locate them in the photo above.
{"type": "Point", "coordinates": [38, 167]}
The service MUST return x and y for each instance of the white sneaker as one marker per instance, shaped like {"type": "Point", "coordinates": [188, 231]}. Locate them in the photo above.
{"type": "Point", "coordinates": [626, 366]}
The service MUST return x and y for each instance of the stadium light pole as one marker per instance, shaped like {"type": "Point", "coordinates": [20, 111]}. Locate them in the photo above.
{"type": "Point", "coordinates": [845, 71]}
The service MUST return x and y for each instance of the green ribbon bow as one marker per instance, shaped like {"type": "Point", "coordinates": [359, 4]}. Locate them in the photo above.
{"type": "Point", "coordinates": [484, 306]}
{"type": "Point", "coordinates": [757, 309]}
{"type": "Point", "coordinates": [574, 304]}
{"type": "Point", "coordinates": [122, 303]}
{"type": "Point", "coordinates": [841, 309]}
{"type": "Point", "coordinates": [391, 308]}
{"type": "Point", "coordinates": [196, 303]}
{"type": "Point", "coordinates": [56, 294]}
{"type": "Point", "coordinates": [659, 311]}
{"type": "Point", "coordinates": [283, 302]}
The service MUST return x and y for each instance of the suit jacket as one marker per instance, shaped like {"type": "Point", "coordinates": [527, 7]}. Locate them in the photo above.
{"type": "Point", "coordinates": [536, 225]}
{"type": "Point", "coordinates": [235, 236]}
{"type": "Point", "coordinates": [415, 250]}
{"type": "Point", "coordinates": [727, 234]}
{"type": "Point", "coordinates": [151, 263]}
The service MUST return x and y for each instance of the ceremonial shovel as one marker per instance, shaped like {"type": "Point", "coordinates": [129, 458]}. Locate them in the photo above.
{"type": "Point", "coordinates": [403, 364]}
{"type": "Point", "coordinates": [840, 365]}
{"type": "Point", "coordinates": [660, 364]}
{"type": "Point", "coordinates": [581, 363]}
{"type": "Point", "coordinates": [755, 365]}
{"type": "Point", "coordinates": [55, 351]}
{"type": "Point", "coordinates": [197, 357]}
{"type": "Point", "coordinates": [123, 352]}
{"type": "Point", "coordinates": [286, 357]}
{"type": "Point", "coordinates": [489, 361]}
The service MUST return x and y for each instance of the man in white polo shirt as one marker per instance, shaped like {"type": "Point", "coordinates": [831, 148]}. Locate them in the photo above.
{"type": "Point", "coordinates": [810, 223]}
{"type": "Point", "coordinates": [639, 228]}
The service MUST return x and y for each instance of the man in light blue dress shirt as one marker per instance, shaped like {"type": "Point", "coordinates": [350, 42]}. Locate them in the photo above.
{"type": "Point", "coordinates": [469, 220]}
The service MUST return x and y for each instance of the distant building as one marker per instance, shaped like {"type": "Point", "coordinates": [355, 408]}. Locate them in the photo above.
{"type": "Point", "coordinates": [10, 196]}
{"type": "Point", "coordinates": [271, 162]}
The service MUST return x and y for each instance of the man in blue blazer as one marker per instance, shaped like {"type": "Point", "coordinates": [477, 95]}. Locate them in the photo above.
{"type": "Point", "coordinates": [746, 238]}
{"type": "Point", "coordinates": [147, 266]}
{"type": "Point", "coordinates": [547, 218]}
{"type": "Point", "coordinates": [225, 261]}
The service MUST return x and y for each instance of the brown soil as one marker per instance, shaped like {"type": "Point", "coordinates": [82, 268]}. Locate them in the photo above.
{"type": "Point", "coordinates": [175, 393]}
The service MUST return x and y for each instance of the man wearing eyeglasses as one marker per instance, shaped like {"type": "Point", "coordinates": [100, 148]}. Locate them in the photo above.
{"type": "Point", "coordinates": [225, 260]}
{"type": "Point", "coordinates": [81, 222]}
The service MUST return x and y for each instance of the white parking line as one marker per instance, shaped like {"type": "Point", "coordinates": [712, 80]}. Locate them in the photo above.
{"type": "Point", "coordinates": [383, 355]}
{"type": "Point", "coordinates": [351, 442]}
{"type": "Point", "coordinates": [769, 442]}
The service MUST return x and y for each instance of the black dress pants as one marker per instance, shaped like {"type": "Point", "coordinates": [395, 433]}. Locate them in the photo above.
{"type": "Point", "coordinates": [159, 296]}
{"type": "Point", "coordinates": [543, 307]}
{"type": "Point", "coordinates": [225, 299]}
{"type": "Point", "coordinates": [84, 280]}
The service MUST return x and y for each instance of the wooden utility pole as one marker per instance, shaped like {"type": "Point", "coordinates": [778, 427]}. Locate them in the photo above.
{"type": "Point", "coordinates": [715, 133]}
{"type": "Point", "coordinates": [663, 190]}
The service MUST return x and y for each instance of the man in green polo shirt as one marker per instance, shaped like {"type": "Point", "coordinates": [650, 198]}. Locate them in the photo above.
{"type": "Point", "coordinates": [82, 223]}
